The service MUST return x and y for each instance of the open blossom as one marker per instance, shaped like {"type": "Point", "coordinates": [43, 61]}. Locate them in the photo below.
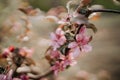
{"type": "Point", "coordinates": [67, 61]}
{"type": "Point", "coordinates": [8, 76]}
{"type": "Point", "coordinates": [81, 43]}
{"type": "Point", "coordinates": [58, 38]}
{"type": "Point", "coordinates": [56, 67]}
{"type": "Point", "coordinates": [55, 54]}
{"type": "Point", "coordinates": [63, 64]}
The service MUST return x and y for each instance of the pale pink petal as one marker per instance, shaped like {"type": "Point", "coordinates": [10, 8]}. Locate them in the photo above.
{"type": "Point", "coordinates": [9, 75]}
{"type": "Point", "coordinates": [86, 48]}
{"type": "Point", "coordinates": [59, 31]}
{"type": "Point", "coordinates": [76, 52]}
{"type": "Point", "coordinates": [72, 45]}
{"type": "Point", "coordinates": [82, 30]}
{"type": "Point", "coordinates": [62, 40]}
{"type": "Point", "coordinates": [55, 45]}
{"type": "Point", "coordinates": [53, 36]}
{"type": "Point", "coordinates": [74, 62]}
{"type": "Point", "coordinates": [56, 72]}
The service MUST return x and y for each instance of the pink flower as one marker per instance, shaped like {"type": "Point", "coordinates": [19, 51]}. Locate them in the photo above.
{"type": "Point", "coordinates": [81, 43]}
{"type": "Point", "coordinates": [58, 38]}
{"type": "Point", "coordinates": [63, 64]}
{"type": "Point", "coordinates": [55, 54]}
{"type": "Point", "coordinates": [8, 76]}
{"type": "Point", "coordinates": [56, 67]}
{"type": "Point", "coordinates": [67, 61]}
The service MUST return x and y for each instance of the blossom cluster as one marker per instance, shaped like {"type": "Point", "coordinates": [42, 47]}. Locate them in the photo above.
{"type": "Point", "coordinates": [68, 41]}
{"type": "Point", "coordinates": [14, 58]}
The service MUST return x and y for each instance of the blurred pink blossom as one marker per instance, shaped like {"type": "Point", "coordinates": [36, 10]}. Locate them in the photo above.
{"type": "Point", "coordinates": [8, 76]}
{"type": "Point", "coordinates": [26, 52]}
{"type": "Point", "coordinates": [24, 77]}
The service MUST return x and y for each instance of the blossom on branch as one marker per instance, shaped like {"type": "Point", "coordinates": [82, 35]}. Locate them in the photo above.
{"type": "Point", "coordinates": [57, 38]}
{"type": "Point", "coordinates": [81, 44]}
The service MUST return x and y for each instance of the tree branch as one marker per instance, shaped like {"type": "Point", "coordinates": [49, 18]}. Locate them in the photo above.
{"type": "Point", "coordinates": [87, 12]}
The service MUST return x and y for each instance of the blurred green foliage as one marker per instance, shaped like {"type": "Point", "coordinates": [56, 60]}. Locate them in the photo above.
{"type": "Point", "coordinates": [47, 4]}
{"type": "Point", "coordinates": [109, 4]}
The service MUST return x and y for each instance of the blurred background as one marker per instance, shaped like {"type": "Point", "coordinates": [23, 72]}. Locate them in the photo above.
{"type": "Point", "coordinates": [103, 63]}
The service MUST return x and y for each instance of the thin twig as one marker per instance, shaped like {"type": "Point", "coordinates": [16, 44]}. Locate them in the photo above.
{"type": "Point", "coordinates": [87, 12]}
{"type": "Point", "coordinates": [106, 10]}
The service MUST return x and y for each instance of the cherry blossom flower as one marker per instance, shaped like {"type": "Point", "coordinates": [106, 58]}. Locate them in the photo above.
{"type": "Point", "coordinates": [56, 67]}
{"type": "Point", "coordinates": [55, 54]}
{"type": "Point", "coordinates": [7, 76]}
{"type": "Point", "coordinates": [81, 43]}
{"type": "Point", "coordinates": [65, 62]}
{"type": "Point", "coordinates": [58, 38]}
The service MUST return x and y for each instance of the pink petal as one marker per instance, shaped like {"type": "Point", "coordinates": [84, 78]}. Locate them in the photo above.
{"type": "Point", "coordinates": [62, 40]}
{"type": "Point", "coordinates": [55, 54]}
{"type": "Point", "coordinates": [82, 30]}
{"type": "Point", "coordinates": [85, 40]}
{"type": "Point", "coordinates": [73, 63]}
{"type": "Point", "coordinates": [86, 48]}
{"type": "Point", "coordinates": [59, 31]}
{"type": "Point", "coordinates": [72, 45]}
{"type": "Point", "coordinates": [79, 37]}
{"type": "Point", "coordinates": [53, 36]}
{"type": "Point", "coordinates": [55, 45]}
{"type": "Point", "coordinates": [9, 75]}
{"type": "Point", "coordinates": [76, 52]}
{"type": "Point", "coordinates": [56, 72]}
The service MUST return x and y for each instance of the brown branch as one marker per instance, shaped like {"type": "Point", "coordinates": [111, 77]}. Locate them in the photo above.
{"type": "Point", "coordinates": [44, 75]}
